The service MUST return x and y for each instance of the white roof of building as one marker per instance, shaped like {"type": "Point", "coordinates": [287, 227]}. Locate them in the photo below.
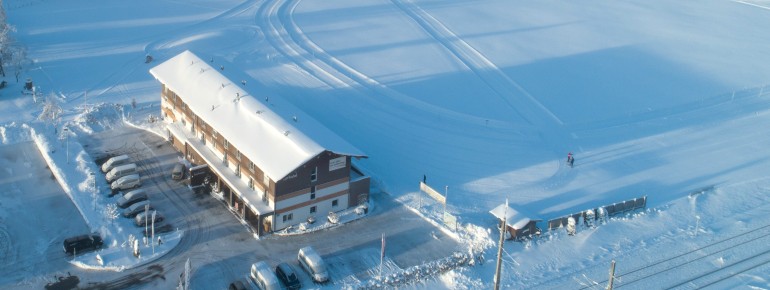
{"type": "Point", "coordinates": [513, 218]}
{"type": "Point", "coordinates": [266, 133]}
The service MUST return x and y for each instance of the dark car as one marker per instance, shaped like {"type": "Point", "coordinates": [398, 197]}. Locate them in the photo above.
{"type": "Point", "coordinates": [82, 243]}
{"type": "Point", "coordinates": [165, 228]}
{"type": "Point", "coordinates": [288, 276]}
{"type": "Point", "coordinates": [237, 285]}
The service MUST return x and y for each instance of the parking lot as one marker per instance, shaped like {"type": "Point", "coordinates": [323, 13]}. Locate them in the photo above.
{"type": "Point", "coordinates": [35, 216]}
{"type": "Point", "coordinates": [220, 248]}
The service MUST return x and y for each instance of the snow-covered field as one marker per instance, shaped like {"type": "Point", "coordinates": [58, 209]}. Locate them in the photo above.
{"type": "Point", "coordinates": [655, 98]}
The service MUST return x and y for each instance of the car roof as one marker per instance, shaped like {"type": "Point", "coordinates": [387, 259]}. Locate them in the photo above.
{"type": "Point", "coordinates": [286, 268]}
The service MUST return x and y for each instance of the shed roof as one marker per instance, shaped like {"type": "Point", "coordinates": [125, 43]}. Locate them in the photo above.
{"type": "Point", "coordinates": [260, 129]}
{"type": "Point", "coordinates": [513, 218]}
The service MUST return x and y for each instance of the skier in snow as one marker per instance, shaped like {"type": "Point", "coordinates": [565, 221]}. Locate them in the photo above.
{"type": "Point", "coordinates": [570, 159]}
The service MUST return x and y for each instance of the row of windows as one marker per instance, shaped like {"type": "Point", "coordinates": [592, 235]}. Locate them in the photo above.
{"type": "Point", "coordinates": [313, 209]}
{"type": "Point", "coordinates": [214, 135]}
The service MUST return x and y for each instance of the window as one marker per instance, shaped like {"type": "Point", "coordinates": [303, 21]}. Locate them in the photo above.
{"type": "Point", "coordinates": [335, 203]}
{"type": "Point", "coordinates": [312, 195]}
{"type": "Point", "coordinates": [287, 217]}
{"type": "Point", "coordinates": [266, 181]}
{"type": "Point", "coordinates": [312, 189]}
{"type": "Point", "coordinates": [214, 133]}
{"type": "Point", "coordinates": [227, 144]}
{"type": "Point", "coordinates": [314, 175]}
{"type": "Point", "coordinates": [224, 159]}
{"type": "Point", "coordinates": [238, 170]}
{"type": "Point", "coordinates": [312, 209]}
{"type": "Point", "coordinates": [238, 155]}
{"type": "Point", "coordinates": [251, 183]}
{"type": "Point", "coordinates": [251, 166]}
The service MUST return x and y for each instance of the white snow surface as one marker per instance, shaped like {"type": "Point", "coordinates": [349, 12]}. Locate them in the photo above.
{"type": "Point", "coordinates": [655, 98]}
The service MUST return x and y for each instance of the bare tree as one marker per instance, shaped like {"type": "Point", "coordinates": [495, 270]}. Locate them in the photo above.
{"type": "Point", "coordinates": [51, 113]}
{"type": "Point", "coordinates": [5, 40]}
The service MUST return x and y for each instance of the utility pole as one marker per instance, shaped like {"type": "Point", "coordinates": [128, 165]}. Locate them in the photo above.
{"type": "Point", "coordinates": [67, 135]}
{"type": "Point", "coordinates": [500, 246]}
{"type": "Point", "coordinates": [612, 275]}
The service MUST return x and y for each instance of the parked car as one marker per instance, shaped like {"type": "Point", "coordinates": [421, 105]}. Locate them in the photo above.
{"type": "Point", "coordinates": [126, 182]}
{"type": "Point", "coordinates": [136, 208]}
{"type": "Point", "coordinates": [178, 172]}
{"type": "Point", "coordinates": [313, 264]}
{"type": "Point", "coordinates": [141, 218]}
{"type": "Point", "coordinates": [131, 197]}
{"type": "Point", "coordinates": [159, 229]}
{"type": "Point", "coordinates": [263, 277]}
{"type": "Point", "coordinates": [114, 162]}
{"type": "Point", "coordinates": [121, 171]}
{"type": "Point", "coordinates": [288, 276]}
{"type": "Point", "coordinates": [237, 285]}
{"type": "Point", "coordinates": [82, 243]}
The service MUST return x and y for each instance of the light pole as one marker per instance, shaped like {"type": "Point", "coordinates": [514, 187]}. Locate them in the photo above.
{"type": "Point", "coordinates": [67, 135]}
{"type": "Point", "coordinates": [93, 180]}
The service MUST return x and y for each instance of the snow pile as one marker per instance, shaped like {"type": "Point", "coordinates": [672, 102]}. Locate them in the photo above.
{"type": "Point", "coordinates": [14, 133]}
{"type": "Point", "coordinates": [99, 117]}
{"type": "Point", "coordinates": [342, 217]}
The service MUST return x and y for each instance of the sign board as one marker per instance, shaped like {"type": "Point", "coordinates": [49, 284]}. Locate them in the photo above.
{"type": "Point", "coordinates": [432, 192]}
{"type": "Point", "coordinates": [337, 163]}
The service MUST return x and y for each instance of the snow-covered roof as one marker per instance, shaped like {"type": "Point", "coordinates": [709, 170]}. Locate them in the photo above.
{"type": "Point", "coordinates": [261, 129]}
{"type": "Point", "coordinates": [514, 218]}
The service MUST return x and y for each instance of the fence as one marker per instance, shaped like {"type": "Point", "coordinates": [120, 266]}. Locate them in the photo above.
{"type": "Point", "coordinates": [595, 214]}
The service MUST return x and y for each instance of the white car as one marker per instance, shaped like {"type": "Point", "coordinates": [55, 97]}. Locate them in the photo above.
{"type": "Point", "coordinates": [126, 182]}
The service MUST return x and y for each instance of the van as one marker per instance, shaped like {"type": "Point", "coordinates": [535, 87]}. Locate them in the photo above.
{"type": "Point", "coordinates": [178, 172]}
{"type": "Point", "coordinates": [120, 171]}
{"type": "Point", "coordinates": [312, 263]}
{"type": "Point", "coordinates": [82, 243]}
{"type": "Point", "coordinates": [263, 277]}
{"type": "Point", "coordinates": [115, 162]}
{"type": "Point", "coordinates": [126, 182]}
{"type": "Point", "coordinates": [131, 197]}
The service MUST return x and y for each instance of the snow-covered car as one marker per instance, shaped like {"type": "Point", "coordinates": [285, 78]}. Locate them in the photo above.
{"type": "Point", "coordinates": [115, 162]}
{"type": "Point", "coordinates": [132, 197]}
{"type": "Point", "coordinates": [263, 277]}
{"type": "Point", "coordinates": [121, 171]}
{"type": "Point", "coordinates": [136, 208]}
{"type": "Point", "coordinates": [126, 182]}
{"type": "Point", "coordinates": [313, 264]}
{"type": "Point", "coordinates": [177, 173]}
{"type": "Point", "coordinates": [141, 219]}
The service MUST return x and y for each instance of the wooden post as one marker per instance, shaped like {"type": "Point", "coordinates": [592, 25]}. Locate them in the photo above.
{"type": "Point", "coordinates": [500, 247]}
{"type": "Point", "coordinates": [612, 275]}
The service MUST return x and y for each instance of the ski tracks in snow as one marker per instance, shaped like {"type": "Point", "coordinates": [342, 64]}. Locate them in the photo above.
{"type": "Point", "coordinates": [507, 89]}
{"type": "Point", "coordinates": [283, 33]}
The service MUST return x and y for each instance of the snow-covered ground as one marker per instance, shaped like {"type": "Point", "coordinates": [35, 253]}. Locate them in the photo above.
{"type": "Point", "coordinates": [655, 98]}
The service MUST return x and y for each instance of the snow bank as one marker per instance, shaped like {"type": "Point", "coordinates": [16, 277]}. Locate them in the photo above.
{"type": "Point", "coordinates": [14, 133]}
